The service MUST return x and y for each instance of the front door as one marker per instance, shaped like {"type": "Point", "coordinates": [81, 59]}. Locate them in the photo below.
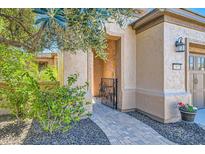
{"type": "Point", "coordinates": [197, 79]}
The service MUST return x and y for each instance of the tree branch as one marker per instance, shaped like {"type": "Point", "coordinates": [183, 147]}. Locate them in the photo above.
{"type": "Point", "coordinates": [11, 18]}
{"type": "Point", "coordinates": [15, 43]}
{"type": "Point", "coordinates": [33, 37]}
{"type": "Point", "coordinates": [37, 35]}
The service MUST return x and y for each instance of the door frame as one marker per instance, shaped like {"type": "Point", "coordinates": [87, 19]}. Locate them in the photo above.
{"type": "Point", "coordinates": [188, 42]}
{"type": "Point", "coordinates": [119, 40]}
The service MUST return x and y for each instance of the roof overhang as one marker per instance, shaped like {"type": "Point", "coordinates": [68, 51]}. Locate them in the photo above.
{"type": "Point", "coordinates": [168, 15]}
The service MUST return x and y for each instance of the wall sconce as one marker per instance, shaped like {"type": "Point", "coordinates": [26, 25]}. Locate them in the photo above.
{"type": "Point", "coordinates": [180, 46]}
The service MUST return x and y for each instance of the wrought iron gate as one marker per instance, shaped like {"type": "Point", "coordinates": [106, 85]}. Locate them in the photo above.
{"type": "Point", "coordinates": [108, 92]}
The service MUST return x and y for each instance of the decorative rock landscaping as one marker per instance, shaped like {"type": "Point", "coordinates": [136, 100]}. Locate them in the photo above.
{"type": "Point", "coordinates": [12, 132]}
{"type": "Point", "coordinates": [179, 132]}
{"type": "Point", "coordinates": [84, 132]}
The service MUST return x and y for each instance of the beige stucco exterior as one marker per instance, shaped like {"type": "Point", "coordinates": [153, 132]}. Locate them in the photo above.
{"type": "Point", "coordinates": [176, 82]}
{"type": "Point", "coordinates": [83, 64]}
{"type": "Point", "coordinates": [149, 71]}
{"type": "Point", "coordinates": [80, 63]}
{"type": "Point", "coordinates": [127, 77]}
{"type": "Point", "coordinates": [146, 51]}
{"type": "Point", "coordinates": [97, 74]}
{"type": "Point", "coordinates": [159, 87]}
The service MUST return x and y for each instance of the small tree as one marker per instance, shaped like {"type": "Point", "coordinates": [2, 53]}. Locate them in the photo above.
{"type": "Point", "coordinates": [19, 72]}
{"type": "Point", "coordinates": [54, 108]}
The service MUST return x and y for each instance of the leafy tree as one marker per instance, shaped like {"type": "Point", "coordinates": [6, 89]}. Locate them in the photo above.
{"type": "Point", "coordinates": [54, 108]}
{"type": "Point", "coordinates": [48, 74]}
{"type": "Point", "coordinates": [20, 75]}
{"type": "Point", "coordinates": [64, 29]}
{"type": "Point", "coordinates": [17, 28]}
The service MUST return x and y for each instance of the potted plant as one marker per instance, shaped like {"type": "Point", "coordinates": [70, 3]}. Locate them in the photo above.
{"type": "Point", "coordinates": [187, 111]}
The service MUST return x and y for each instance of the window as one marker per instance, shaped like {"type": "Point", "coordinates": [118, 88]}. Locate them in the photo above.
{"type": "Point", "coordinates": [202, 66]}
{"type": "Point", "coordinates": [42, 65]}
{"type": "Point", "coordinates": [191, 62]}
{"type": "Point", "coordinates": [197, 63]}
{"type": "Point", "coordinates": [200, 63]}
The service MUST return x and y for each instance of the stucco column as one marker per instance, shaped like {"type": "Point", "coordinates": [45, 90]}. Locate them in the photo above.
{"type": "Point", "coordinates": [126, 65]}
{"type": "Point", "coordinates": [89, 80]}
{"type": "Point", "coordinates": [175, 81]}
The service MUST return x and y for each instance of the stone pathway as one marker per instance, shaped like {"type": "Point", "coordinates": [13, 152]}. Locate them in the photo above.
{"type": "Point", "coordinates": [121, 128]}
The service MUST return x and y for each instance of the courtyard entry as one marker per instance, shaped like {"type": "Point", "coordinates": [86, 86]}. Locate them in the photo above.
{"type": "Point", "coordinates": [106, 75]}
{"type": "Point", "coordinates": [197, 77]}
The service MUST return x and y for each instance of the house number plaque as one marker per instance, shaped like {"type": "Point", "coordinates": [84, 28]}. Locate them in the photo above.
{"type": "Point", "coordinates": [176, 66]}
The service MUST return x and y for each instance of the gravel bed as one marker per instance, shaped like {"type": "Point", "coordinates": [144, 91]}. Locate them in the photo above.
{"type": "Point", "coordinates": [180, 132]}
{"type": "Point", "coordinates": [84, 132]}
{"type": "Point", "coordinates": [12, 132]}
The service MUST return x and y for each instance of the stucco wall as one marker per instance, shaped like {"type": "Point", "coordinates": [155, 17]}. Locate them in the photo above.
{"type": "Point", "coordinates": [149, 71]}
{"type": "Point", "coordinates": [109, 66]}
{"type": "Point", "coordinates": [159, 87]}
{"type": "Point", "coordinates": [98, 73]}
{"type": "Point", "coordinates": [175, 80]}
{"type": "Point", "coordinates": [146, 79]}
{"type": "Point", "coordinates": [75, 63]}
{"type": "Point", "coordinates": [127, 79]}
{"type": "Point", "coordinates": [149, 59]}
{"type": "Point", "coordinates": [127, 63]}
{"type": "Point", "coordinates": [81, 63]}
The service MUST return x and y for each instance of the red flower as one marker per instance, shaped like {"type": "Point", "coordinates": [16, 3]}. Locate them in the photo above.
{"type": "Point", "coordinates": [181, 104]}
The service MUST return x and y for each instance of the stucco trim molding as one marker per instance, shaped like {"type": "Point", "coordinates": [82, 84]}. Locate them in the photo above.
{"type": "Point", "coordinates": [195, 41]}
{"type": "Point", "coordinates": [129, 89]}
{"type": "Point", "coordinates": [167, 93]}
{"type": "Point", "coordinates": [175, 16]}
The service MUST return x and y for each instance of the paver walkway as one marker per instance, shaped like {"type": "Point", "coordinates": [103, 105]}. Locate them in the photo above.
{"type": "Point", "coordinates": [121, 128]}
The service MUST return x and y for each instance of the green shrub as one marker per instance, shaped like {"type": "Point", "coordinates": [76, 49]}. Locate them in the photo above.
{"type": "Point", "coordinates": [19, 73]}
{"type": "Point", "coordinates": [48, 74]}
{"type": "Point", "coordinates": [54, 108]}
{"type": "Point", "coordinates": [61, 106]}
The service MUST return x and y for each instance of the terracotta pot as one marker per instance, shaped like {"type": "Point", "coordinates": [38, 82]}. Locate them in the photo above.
{"type": "Point", "coordinates": [188, 116]}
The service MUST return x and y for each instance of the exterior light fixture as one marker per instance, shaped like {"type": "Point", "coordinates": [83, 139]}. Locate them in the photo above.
{"type": "Point", "coordinates": [180, 46]}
